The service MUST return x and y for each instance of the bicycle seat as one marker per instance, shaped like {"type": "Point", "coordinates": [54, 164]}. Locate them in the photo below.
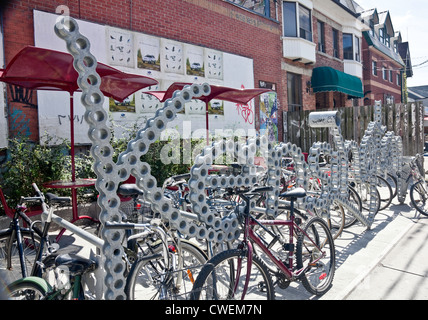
{"type": "Point", "coordinates": [53, 198]}
{"type": "Point", "coordinates": [76, 264]}
{"type": "Point", "coordinates": [129, 189]}
{"type": "Point", "coordinates": [294, 194]}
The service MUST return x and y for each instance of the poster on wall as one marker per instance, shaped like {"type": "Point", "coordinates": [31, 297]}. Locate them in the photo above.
{"type": "Point", "coordinates": [214, 62]}
{"type": "Point", "coordinates": [195, 65]}
{"type": "Point", "coordinates": [269, 115]}
{"type": "Point", "coordinates": [148, 53]}
{"type": "Point", "coordinates": [172, 57]}
{"type": "Point", "coordinates": [147, 103]}
{"type": "Point", "coordinates": [120, 48]}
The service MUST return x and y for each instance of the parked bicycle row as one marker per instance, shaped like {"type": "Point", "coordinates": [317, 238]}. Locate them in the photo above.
{"type": "Point", "coordinates": [161, 263]}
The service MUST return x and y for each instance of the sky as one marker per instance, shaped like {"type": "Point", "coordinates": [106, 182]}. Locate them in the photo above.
{"type": "Point", "coordinates": [408, 17]}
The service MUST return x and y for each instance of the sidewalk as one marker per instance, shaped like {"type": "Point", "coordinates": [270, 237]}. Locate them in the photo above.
{"type": "Point", "coordinates": [386, 262]}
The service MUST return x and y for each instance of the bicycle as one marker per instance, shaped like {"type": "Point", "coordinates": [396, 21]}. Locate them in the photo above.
{"type": "Point", "coordinates": [239, 273]}
{"type": "Point", "coordinates": [19, 244]}
{"type": "Point", "coordinates": [419, 188]}
{"type": "Point", "coordinates": [166, 268]}
{"type": "Point", "coordinates": [53, 276]}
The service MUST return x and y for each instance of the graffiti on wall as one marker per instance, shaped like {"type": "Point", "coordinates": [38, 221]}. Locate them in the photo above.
{"type": "Point", "coordinates": [20, 99]}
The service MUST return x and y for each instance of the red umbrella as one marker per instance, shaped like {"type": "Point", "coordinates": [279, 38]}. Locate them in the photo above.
{"type": "Point", "coordinates": [44, 69]}
{"type": "Point", "coordinates": [241, 96]}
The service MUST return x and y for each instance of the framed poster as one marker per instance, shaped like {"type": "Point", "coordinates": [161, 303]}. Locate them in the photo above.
{"type": "Point", "coordinates": [120, 46]}
{"type": "Point", "coordinates": [195, 65]}
{"type": "Point", "coordinates": [172, 57]}
{"type": "Point", "coordinates": [148, 53]}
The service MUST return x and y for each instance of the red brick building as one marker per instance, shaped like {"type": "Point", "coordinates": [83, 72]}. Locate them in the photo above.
{"type": "Point", "coordinates": [384, 66]}
{"type": "Point", "coordinates": [219, 25]}
{"type": "Point", "coordinates": [289, 46]}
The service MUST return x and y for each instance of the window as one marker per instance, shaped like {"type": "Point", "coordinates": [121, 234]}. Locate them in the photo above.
{"type": "Point", "coordinates": [384, 73]}
{"type": "Point", "coordinates": [321, 37]}
{"type": "Point", "coordinates": [297, 21]}
{"type": "Point", "coordinates": [390, 76]}
{"type": "Point", "coordinates": [294, 90]}
{"type": "Point", "coordinates": [335, 43]}
{"type": "Point", "coordinates": [374, 68]}
{"type": "Point", "coordinates": [382, 35]}
{"type": "Point", "coordinates": [261, 7]}
{"type": "Point", "coordinates": [372, 32]}
{"type": "Point", "coordinates": [305, 23]}
{"type": "Point", "coordinates": [290, 19]}
{"type": "Point", "coordinates": [357, 49]}
{"type": "Point", "coordinates": [348, 48]}
{"type": "Point", "coordinates": [398, 79]}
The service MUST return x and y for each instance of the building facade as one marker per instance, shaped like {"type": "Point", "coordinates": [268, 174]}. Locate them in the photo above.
{"type": "Point", "coordinates": [314, 54]}
{"type": "Point", "coordinates": [384, 67]}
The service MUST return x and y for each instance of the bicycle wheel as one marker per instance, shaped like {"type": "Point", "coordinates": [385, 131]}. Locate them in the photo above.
{"type": "Point", "coordinates": [11, 252]}
{"type": "Point", "coordinates": [224, 277]}
{"type": "Point", "coordinates": [151, 278]}
{"type": "Point", "coordinates": [26, 290]}
{"type": "Point", "coordinates": [418, 196]}
{"type": "Point", "coordinates": [337, 219]}
{"type": "Point", "coordinates": [315, 253]}
{"type": "Point", "coordinates": [393, 183]}
{"type": "Point", "coordinates": [367, 198]}
{"type": "Point", "coordinates": [385, 192]}
{"type": "Point", "coordinates": [355, 200]}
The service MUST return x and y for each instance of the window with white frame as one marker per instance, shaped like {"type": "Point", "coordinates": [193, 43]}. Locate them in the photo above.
{"type": "Point", "coordinates": [348, 46]}
{"type": "Point", "coordinates": [321, 36]}
{"type": "Point", "coordinates": [374, 68]}
{"type": "Point", "coordinates": [357, 49]}
{"type": "Point", "coordinates": [297, 20]}
{"type": "Point", "coordinates": [335, 43]}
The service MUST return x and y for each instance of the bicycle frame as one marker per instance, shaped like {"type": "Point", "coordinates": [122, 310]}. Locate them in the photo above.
{"type": "Point", "coordinates": [16, 234]}
{"type": "Point", "coordinates": [251, 237]}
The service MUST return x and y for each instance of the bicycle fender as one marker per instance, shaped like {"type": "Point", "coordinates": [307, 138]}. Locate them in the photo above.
{"type": "Point", "coordinates": [39, 281]}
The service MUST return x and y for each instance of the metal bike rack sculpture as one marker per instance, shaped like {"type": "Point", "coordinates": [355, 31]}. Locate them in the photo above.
{"type": "Point", "coordinates": [203, 223]}
{"type": "Point", "coordinates": [379, 153]}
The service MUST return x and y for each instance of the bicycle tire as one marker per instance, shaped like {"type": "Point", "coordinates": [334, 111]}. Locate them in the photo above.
{"type": "Point", "coordinates": [385, 192]}
{"type": "Point", "coordinates": [138, 285]}
{"type": "Point", "coordinates": [337, 220]}
{"type": "Point", "coordinates": [11, 252]}
{"type": "Point", "coordinates": [318, 276]}
{"type": "Point", "coordinates": [393, 182]}
{"type": "Point", "coordinates": [221, 270]}
{"type": "Point", "coordinates": [26, 289]}
{"type": "Point", "coordinates": [418, 197]}
{"type": "Point", "coordinates": [355, 198]}
{"type": "Point", "coordinates": [365, 197]}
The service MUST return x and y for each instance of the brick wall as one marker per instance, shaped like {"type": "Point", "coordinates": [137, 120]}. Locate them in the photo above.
{"type": "Point", "coordinates": [210, 23]}
{"type": "Point", "coordinates": [376, 85]}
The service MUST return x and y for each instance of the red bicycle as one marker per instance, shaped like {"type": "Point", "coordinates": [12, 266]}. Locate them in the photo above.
{"type": "Point", "coordinates": [293, 250]}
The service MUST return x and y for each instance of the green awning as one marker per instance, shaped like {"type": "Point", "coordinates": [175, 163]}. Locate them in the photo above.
{"type": "Point", "coordinates": [329, 79]}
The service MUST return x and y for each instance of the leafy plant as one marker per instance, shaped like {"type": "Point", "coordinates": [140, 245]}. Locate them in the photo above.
{"type": "Point", "coordinates": [28, 162]}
